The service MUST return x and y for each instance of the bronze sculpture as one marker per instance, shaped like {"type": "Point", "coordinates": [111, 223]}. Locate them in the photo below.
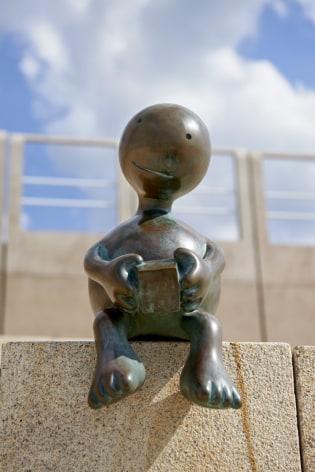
{"type": "Point", "coordinates": [154, 275]}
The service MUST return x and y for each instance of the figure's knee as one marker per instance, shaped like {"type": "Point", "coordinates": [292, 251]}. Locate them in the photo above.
{"type": "Point", "coordinates": [108, 316]}
{"type": "Point", "coordinates": [109, 324]}
{"type": "Point", "coordinates": [200, 319]}
{"type": "Point", "coordinates": [101, 320]}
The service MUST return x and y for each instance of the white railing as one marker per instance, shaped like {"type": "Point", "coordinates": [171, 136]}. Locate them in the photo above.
{"type": "Point", "coordinates": [125, 203]}
{"type": "Point", "coordinates": [292, 195]}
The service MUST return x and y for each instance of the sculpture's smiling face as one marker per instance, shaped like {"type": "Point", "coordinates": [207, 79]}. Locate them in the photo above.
{"type": "Point", "coordinates": [164, 151]}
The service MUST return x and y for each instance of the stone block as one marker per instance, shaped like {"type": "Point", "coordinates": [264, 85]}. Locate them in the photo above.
{"type": "Point", "coordinates": [304, 368]}
{"type": "Point", "coordinates": [47, 424]}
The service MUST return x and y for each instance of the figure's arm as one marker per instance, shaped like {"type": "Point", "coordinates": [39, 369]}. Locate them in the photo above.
{"type": "Point", "coordinates": [96, 263]}
{"type": "Point", "coordinates": [114, 275]}
{"type": "Point", "coordinates": [197, 274]}
{"type": "Point", "coordinates": [215, 258]}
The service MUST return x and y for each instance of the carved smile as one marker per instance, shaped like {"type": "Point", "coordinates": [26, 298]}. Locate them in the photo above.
{"type": "Point", "coordinates": [154, 172]}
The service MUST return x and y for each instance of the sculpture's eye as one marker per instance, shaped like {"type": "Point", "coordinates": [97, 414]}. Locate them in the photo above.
{"type": "Point", "coordinates": [139, 121]}
{"type": "Point", "coordinates": [188, 136]}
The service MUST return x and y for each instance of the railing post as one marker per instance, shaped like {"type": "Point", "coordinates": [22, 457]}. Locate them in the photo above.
{"type": "Point", "coordinates": [11, 163]}
{"type": "Point", "coordinates": [3, 225]}
{"type": "Point", "coordinates": [15, 191]}
{"type": "Point", "coordinates": [259, 232]}
{"type": "Point", "coordinates": [127, 198]}
{"type": "Point", "coordinates": [242, 193]}
{"type": "Point", "coordinates": [3, 139]}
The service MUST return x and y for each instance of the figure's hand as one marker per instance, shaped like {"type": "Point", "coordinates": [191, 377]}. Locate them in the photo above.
{"type": "Point", "coordinates": [194, 275]}
{"type": "Point", "coordinates": [121, 283]}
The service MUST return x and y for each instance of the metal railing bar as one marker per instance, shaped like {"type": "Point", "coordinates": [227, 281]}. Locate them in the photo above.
{"type": "Point", "coordinates": [71, 141]}
{"type": "Point", "coordinates": [282, 155]}
{"type": "Point", "coordinates": [290, 216]}
{"type": "Point", "coordinates": [102, 142]}
{"type": "Point", "coordinates": [66, 182]}
{"type": "Point", "coordinates": [220, 211]}
{"type": "Point", "coordinates": [65, 202]}
{"type": "Point", "coordinates": [224, 151]}
{"type": "Point", "coordinates": [101, 183]}
{"type": "Point", "coordinates": [288, 195]}
{"type": "Point", "coordinates": [110, 142]}
{"type": "Point", "coordinates": [207, 190]}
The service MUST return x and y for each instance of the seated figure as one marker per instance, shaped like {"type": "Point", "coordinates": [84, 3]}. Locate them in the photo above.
{"type": "Point", "coordinates": [154, 275]}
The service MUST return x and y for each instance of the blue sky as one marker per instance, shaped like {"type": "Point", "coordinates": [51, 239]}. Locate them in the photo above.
{"type": "Point", "coordinates": [15, 94]}
{"type": "Point", "coordinates": [246, 67]}
{"type": "Point", "coordinates": [286, 41]}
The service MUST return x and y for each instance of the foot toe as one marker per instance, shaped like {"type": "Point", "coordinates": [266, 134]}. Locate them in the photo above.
{"type": "Point", "coordinates": [216, 394]}
{"type": "Point", "coordinates": [93, 402]}
{"type": "Point", "coordinates": [236, 399]}
{"type": "Point", "coordinates": [203, 393]}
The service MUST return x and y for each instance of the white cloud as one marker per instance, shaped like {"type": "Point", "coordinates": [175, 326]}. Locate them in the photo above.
{"type": "Point", "coordinates": [48, 45]}
{"type": "Point", "coordinates": [256, 107]}
{"type": "Point", "coordinates": [98, 63]}
{"type": "Point", "coordinates": [79, 6]}
{"type": "Point", "coordinates": [280, 7]}
{"type": "Point", "coordinates": [29, 66]}
{"type": "Point", "coordinates": [308, 8]}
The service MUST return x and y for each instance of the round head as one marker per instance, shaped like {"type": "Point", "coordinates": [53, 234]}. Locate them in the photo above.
{"type": "Point", "coordinates": [164, 151]}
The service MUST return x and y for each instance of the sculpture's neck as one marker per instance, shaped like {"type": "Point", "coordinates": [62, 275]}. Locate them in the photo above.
{"type": "Point", "coordinates": [147, 204]}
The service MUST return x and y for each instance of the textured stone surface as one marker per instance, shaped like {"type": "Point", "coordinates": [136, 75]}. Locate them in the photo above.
{"type": "Point", "coordinates": [304, 367]}
{"type": "Point", "coordinates": [47, 425]}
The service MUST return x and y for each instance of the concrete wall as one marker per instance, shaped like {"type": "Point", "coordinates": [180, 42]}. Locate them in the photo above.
{"type": "Point", "coordinates": [46, 288]}
{"type": "Point", "coordinates": [267, 289]}
{"type": "Point", "coordinates": [287, 276]}
{"type": "Point", "coordinates": [239, 309]}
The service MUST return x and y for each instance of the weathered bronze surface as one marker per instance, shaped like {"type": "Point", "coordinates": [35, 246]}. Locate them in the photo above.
{"type": "Point", "coordinates": [153, 275]}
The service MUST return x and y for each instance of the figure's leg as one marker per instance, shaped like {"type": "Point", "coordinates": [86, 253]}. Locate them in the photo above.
{"type": "Point", "coordinates": [204, 379]}
{"type": "Point", "coordinates": [118, 372]}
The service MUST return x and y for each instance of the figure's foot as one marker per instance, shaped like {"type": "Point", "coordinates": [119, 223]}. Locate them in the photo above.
{"type": "Point", "coordinates": [115, 379]}
{"type": "Point", "coordinates": [208, 384]}
{"type": "Point", "coordinates": [118, 372]}
{"type": "Point", "coordinates": [204, 379]}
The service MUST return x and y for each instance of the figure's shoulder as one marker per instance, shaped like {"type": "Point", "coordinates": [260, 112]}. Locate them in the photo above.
{"type": "Point", "coordinates": [189, 230]}
{"type": "Point", "coordinates": [122, 230]}
{"type": "Point", "coordinates": [120, 240]}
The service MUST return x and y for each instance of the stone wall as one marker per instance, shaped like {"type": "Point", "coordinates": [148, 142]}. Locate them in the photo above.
{"type": "Point", "coordinates": [46, 423]}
